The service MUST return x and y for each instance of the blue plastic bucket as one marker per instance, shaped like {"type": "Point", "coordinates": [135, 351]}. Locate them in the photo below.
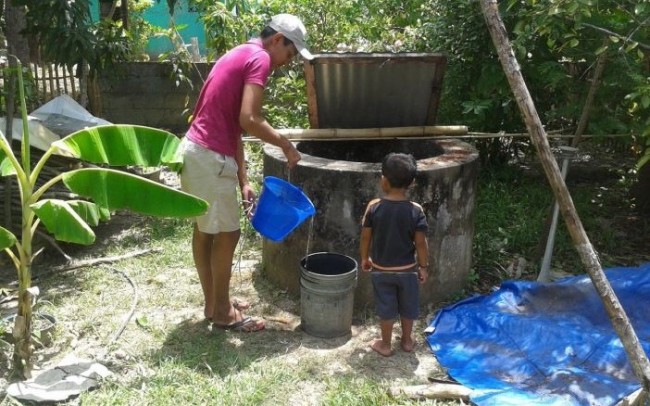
{"type": "Point", "coordinates": [280, 209]}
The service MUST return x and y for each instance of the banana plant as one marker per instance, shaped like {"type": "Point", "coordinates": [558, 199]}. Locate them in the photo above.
{"type": "Point", "coordinates": [103, 190]}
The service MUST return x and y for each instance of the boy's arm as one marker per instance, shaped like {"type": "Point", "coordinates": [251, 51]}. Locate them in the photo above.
{"type": "Point", "coordinates": [366, 239]}
{"type": "Point", "coordinates": [422, 253]}
{"type": "Point", "coordinates": [364, 249]}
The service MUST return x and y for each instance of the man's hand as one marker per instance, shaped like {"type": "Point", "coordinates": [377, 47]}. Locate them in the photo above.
{"type": "Point", "coordinates": [292, 155]}
{"type": "Point", "coordinates": [249, 200]}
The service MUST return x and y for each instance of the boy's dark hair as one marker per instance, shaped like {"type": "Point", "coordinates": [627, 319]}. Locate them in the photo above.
{"type": "Point", "coordinates": [269, 32]}
{"type": "Point", "coordinates": [399, 169]}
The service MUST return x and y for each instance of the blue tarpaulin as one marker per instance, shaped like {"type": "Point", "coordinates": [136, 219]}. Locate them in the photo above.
{"type": "Point", "coordinates": [532, 343]}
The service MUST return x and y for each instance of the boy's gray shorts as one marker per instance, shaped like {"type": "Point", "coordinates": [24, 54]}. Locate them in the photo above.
{"type": "Point", "coordinates": [396, 294]}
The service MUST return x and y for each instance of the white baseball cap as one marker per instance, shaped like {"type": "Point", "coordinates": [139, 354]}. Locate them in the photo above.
{"type": "Point", "coordinates": [293, 29]}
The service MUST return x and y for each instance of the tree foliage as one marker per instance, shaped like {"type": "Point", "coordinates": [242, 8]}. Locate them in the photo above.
{"type": "Point", "coordinates": [557, 44]}
{"type": "Point", "coordinates": [65, 34]}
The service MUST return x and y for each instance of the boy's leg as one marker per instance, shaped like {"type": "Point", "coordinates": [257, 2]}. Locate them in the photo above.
{"type": "Point", "coordinates": [383, 345]}
{"type": "Point", "coordinates": [386, 306]}
{"type": "Point", "coordinates": [409, 311]}
{"type": "Point", "coordinates": [407, 342]}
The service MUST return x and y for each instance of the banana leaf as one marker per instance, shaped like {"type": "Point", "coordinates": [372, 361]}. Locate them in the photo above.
{"type": "Point", "coordinates": [62, 221]}
{"type": "Point", "coordinates": [90, 212]}
{"type": "Point", "coordinates": [6, 168]}
{"type": "Point", "coordinates": [7, 239]}
{"type": "Point", "coordinates": [115, 190]}
{"type": "Point", "coordinates": [122, 145]}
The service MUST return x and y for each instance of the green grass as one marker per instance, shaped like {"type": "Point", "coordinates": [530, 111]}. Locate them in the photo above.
{"type": "Point", "coordinates": [167, 355]}
{"type": "Point", "coordinates": [515, 203]}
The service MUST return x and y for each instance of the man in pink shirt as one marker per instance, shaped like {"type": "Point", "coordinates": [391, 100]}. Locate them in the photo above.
{"type": "Point", "coordinates": [230, 103]}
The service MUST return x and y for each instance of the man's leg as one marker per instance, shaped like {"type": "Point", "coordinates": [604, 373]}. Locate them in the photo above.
{"type": "Point", "coordinates": [223, 250]}
{"type": "Point", "coordinates": [202, 244]}
{"type": "Point", "coordinates": [202, 252]}
{"type": "Point", "coordinates": [224, 313]}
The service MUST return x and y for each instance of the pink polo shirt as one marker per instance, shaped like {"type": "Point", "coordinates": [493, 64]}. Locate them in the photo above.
{"type": "Point", "coordinates": [216, 116]}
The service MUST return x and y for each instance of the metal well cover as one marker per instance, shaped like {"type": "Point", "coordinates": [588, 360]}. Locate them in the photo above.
{"type": "Point", "coordinates": [369, 90]}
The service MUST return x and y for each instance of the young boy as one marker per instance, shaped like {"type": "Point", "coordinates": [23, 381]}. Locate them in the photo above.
{"type": "Point", "coordinates": [394, 248]}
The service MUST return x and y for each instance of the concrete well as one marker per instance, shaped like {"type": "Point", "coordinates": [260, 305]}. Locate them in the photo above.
{"type": "Point", "coordinates": [341, 177]}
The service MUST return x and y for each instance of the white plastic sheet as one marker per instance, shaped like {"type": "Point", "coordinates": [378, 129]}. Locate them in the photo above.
{"type": "Point", "coordinates": [52, 121]}
{"type": "Point", "coordinates": [63, 115]}
{"type": "Point", "coordinates": [39, 136]}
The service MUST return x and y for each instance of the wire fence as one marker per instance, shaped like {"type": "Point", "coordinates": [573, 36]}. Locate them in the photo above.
{"type": "Point", "coordinates": [52, 81]}
{"type": "Point", "coordinates": [43, 82]}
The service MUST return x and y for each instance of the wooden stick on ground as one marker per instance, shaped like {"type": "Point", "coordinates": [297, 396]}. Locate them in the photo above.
{"type": "Point", "coordinates": [432, 391]}
{"type": "Point", "coordinates": [588, 255]}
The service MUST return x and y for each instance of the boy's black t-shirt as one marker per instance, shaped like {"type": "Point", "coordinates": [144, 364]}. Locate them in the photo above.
{"type": "Point", "coordinates": [394, 224]}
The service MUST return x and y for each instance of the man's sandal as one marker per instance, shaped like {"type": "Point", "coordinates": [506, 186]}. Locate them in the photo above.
{"type": "Point", "coordinates": [237, 305]}
{"type": "Point", "coordinates": [246, 325]}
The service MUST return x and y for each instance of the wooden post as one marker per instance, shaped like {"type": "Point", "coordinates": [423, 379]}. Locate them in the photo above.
{"type": "Point", "coordinates": [588, 255]}
{"type": "Point", "coordinates": [312, 100]}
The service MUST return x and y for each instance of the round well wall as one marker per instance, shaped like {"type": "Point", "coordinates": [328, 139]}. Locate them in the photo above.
{"type": "Point", "coordinates": [341, 177]}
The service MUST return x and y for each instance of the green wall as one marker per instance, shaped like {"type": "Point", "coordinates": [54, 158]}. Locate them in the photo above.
{"type": "Point", "coordinates": [158, 15]}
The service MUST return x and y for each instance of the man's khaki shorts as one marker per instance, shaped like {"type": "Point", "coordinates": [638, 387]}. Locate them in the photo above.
{"type": "Point", "coordinates": [212, 177]}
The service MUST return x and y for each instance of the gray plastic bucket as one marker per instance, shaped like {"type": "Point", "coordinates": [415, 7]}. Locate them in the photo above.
{"type": "Point", "coordinates": [327, 282]}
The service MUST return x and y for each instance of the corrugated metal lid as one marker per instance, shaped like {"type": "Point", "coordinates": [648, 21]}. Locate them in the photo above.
{"type": "Point", "coordinates": [369, 90]}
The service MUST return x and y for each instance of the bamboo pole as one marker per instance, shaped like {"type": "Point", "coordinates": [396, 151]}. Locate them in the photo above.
{"type": "Point", "coordinates": [588, 256]}
{"type": "Point", "coordinates": [323, 135]}
{"type": "Point", "coordinates": [378, 133]}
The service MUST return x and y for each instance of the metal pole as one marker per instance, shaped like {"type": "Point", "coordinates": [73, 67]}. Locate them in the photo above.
{"type": "Point", "coordinates": [566, 153]}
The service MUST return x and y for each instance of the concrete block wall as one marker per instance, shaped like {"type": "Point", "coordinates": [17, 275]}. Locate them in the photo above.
{"type": "Point", "coordinates": [147, 93]}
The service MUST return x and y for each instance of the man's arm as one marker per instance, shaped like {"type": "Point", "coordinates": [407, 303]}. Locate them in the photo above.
{"type": "Point", "coordinates": [247, 193]}
{"type": "Point", "coordinates": [251, 120]}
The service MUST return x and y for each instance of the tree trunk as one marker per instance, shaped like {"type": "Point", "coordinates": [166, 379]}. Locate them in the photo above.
{"type": "Point", "coordinates": [17, 45]}
{"type": "Point", "coordinates": [588, 256]}
{"type": "Point", "coordinates": [641, 190]}
{"type": "Point", "coordinates": [591, 95]}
